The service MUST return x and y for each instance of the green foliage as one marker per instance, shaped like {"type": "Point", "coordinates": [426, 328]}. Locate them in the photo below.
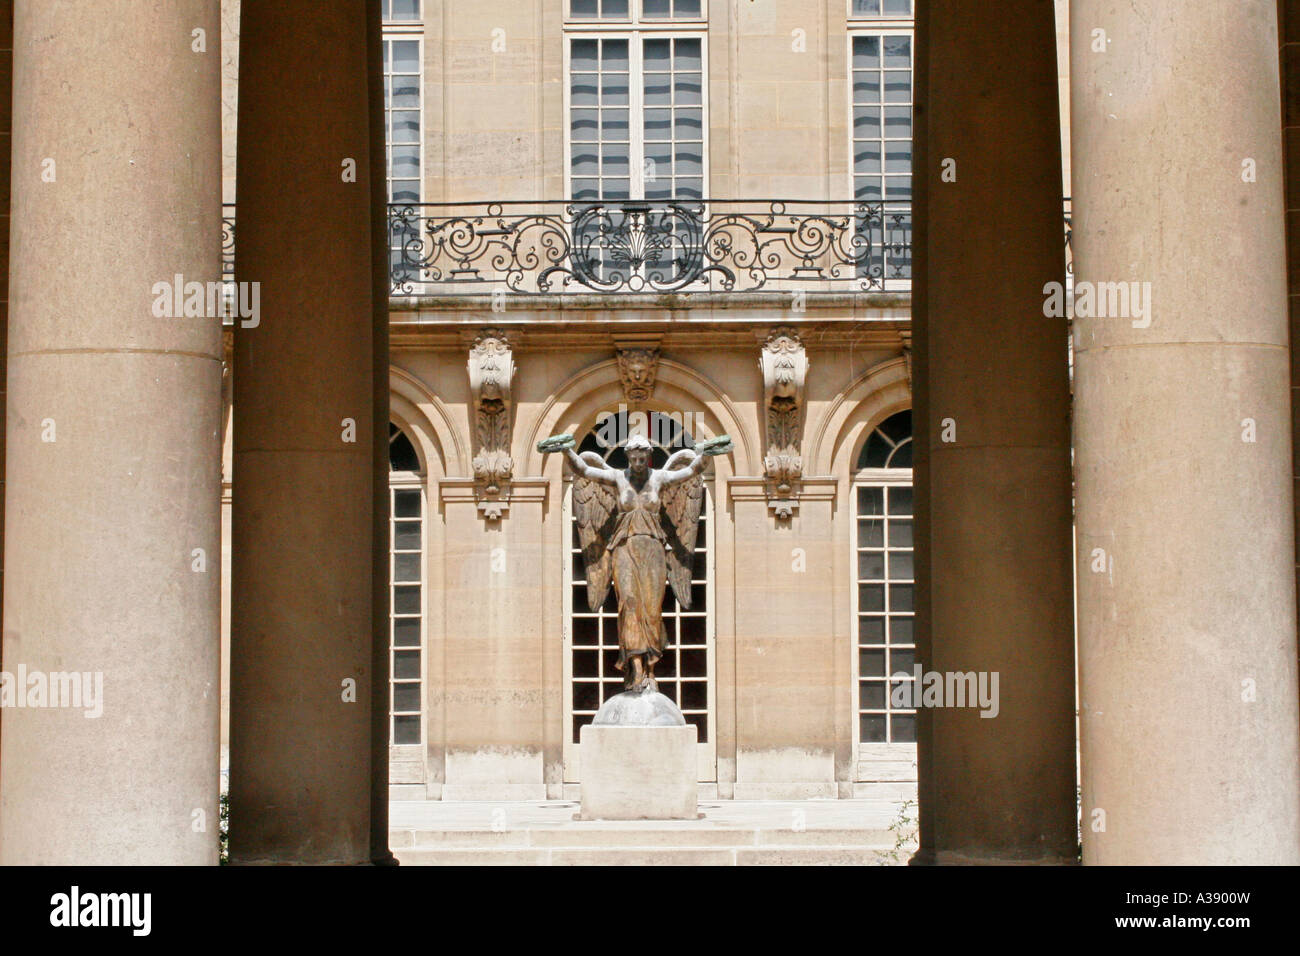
{"type": "Point", "coordinates": [224, 838]}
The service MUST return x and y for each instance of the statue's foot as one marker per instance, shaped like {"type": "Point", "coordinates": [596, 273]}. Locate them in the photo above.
{"type": "Point", "coordinates": [647, 684]}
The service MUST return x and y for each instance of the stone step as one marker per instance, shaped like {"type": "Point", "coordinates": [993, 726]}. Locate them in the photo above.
{"type": "Point", "coordinates": [652, 856]}
{"type": "Point", "coordinates": [601, 835]}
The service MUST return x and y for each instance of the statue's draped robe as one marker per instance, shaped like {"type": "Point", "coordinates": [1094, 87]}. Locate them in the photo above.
{"type": "Point", "coordinates": [639, 541]}
{"type": "Point", "coordinates": [640, 573]}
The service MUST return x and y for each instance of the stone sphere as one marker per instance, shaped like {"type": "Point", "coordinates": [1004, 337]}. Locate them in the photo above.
{"type": "Point", "coordinates": [647, 708]}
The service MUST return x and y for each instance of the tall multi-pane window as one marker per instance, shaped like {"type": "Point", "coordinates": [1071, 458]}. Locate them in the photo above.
{"type": "Point", "coordinates": [636, 99]}
{"type": "Point", "coordinates": [885, 582]}
{"type": "Point", "coordinates": [403, 98]}
{"type": "Point", "coordinates": [882, 59]}
{"type": "Point", "coordinates": [406, 544]}
{"type": "Point", "coordinates": [683, 672]}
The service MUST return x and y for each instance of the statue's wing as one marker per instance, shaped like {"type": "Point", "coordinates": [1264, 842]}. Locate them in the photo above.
{"type": "Point", "coordinates": [680, 515]}
{"type": "Point", "coordinates": [595, 505]}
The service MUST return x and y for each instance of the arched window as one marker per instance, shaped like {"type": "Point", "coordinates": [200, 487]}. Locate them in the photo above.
{"type": "Point", "coordinates": [885, 582]}
{"type": "Point", "coordinates": [684, 672]}
{"type": "Point", "coordinates": [406, 568]}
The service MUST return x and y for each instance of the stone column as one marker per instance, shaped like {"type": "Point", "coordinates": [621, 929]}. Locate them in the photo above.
{"type": "Point", "coordinates": [302, 675]}
{"type": "Point", "coordinates": [993, 398]}
{"type": "Point", "coordinates": [1187, 617]}
{"type": "Point", "coordinates": [1288, 13]}
{"type": "Point", "coordinates": [380, 577]}
{"type": "Point", "coordinates": [113, 458]}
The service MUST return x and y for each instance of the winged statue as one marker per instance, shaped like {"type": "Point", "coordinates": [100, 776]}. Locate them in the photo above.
{"type": "Point", "coordinates": [637, 527]}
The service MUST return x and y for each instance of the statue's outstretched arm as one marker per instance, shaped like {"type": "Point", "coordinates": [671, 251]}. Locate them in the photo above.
{"type": "Point", "coordinates": [703, 452]}
{"type": "Point", "coordinates": [677, 475]}
{"type": "Point", "coordinates": [606, 476]}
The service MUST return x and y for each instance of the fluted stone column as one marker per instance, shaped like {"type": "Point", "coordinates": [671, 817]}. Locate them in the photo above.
{"type": "Point", "coordinates": [302, 675]}
{"type": "Point", "coordinates": [993, 402]}
{"type": "Point", "coordinates": [112, 538]}
{"type": "Point", "coordinates": [1187, 618]}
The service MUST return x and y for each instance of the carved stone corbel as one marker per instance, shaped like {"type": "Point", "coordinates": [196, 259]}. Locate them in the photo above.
{"type": "Point", "coordinates": [638, 366]}
{"type": "Point", "coordinates": [907, 356]}
{"type": "Point", "coordinates": [491, 371]}
{"type": "Point", "coordinates": [785, 369]}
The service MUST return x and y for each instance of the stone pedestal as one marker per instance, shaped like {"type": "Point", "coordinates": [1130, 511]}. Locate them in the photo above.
{"type": "Point", "coordinates": [639, 773]}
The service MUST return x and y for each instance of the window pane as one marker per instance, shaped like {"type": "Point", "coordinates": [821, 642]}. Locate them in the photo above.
{"type": "Point", "coordinates": [583, 56]}
{"type": "Point", "coordinates": [656, 9]}
{"type": "Point", "coordinates": [406, 56]}
{"type": "Point", "coordinates": [871, 501]}
{"type": "Point", "coordinates": [406, 536]}
{"type": "Point", "coordinates": [690, 124]}
{"type": "Point", "coordinates": [904, 727]}
{"type": "Point", "coordinates": [405, 93]}
{"type": "Point", "coordinates": [872, 728]}
{"type": "Point", "coordinates": [689, 161]}
{"type": "Point", "coordinates": [585, 160]}
{"type": "Point", "coordinates": [898, 52]}
{"type": "Point", "coordinates": [406, 504]}
{"type": "Point", "coordinates": [898, 158]}
{"type": "Point", "coordinates": [582, 89]}
{"type": "Point", "coordinates": [866, 52]}
{"type": "Point", "coordinates": [686, 55]}
{"type": "Point", "coordinates": [688, 90]}
{"type": "Point", "coordinates": [406, 665]}
{"type": "Point", "coordinates": [657, 91]}
{"type": "Point", "coordinates": [408, 191]}
{"type": "Point", "coordinates": [406, 729]}
{"type": "Point", "coordinates": [583, 9]}
{"type": "Point", "coordinates": [871, 533]}
{"type": "Point", "coordinates": [898, 86]}
{"type": "Point", "coordinates": [406, 599]}
{"type": "Point", "coordinates": [406, 567]}
{"type": "Point", "coordinates": [406, 162]}
{"type": "Point", "coordinates": [871, 566]}
{"type": "Point", "coordinates": [613, 56]}
{"type": "Point", "coordinates": [584, 126]}
{"type": "Point", "coordinates": [613, 9]}
{"type": "Point", "coordinates": [613, 125]}
{"type": "Point", "coordinates": [405, 10]}
{"type": "Point", "coordinates": [406, 697]}
{"type": "Point", "coordinates": [871, 663]}
{"type": "Point", "coordinates": [898, 122]}
{"type": "Point", "coordinates": [613, 89]}
{"type": "Point", "coordinates": [871, 630]}
{"type": "Point", "coordinates": [687, 8]}
{"type": "Point", "coordinates": [657, 54]}
{"type": "Point", "coordinates": [406, 630]}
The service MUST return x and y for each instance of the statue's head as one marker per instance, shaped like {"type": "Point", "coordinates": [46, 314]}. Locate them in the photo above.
{"type": "Point", "coordinates": [638, 450]}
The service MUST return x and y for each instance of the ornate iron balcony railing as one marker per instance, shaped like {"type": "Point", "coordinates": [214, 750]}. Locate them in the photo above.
{"type": "Point", "coordinates": [650, 246]}
{"type": "Point", "coordinates": [541, 248]}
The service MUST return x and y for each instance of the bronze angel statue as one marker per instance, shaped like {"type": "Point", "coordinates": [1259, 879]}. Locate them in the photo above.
{"type": "Point", "coordinates": [637, 528]}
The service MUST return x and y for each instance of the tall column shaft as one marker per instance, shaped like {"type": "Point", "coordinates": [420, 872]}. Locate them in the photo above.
{"type": "Point", "coordinates": [302, 675]}
{"type": "Point", "coordinates": [994, 402]}
{"type": "Point", "coordinates": [113, 457]}
{"type": "Point", "coordinates": [1187, 617]}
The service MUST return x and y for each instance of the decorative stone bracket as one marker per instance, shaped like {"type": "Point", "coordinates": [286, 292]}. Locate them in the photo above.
{"type": "Point", "coordinates": [785, 368]}
{"type": "Point", "coordinates": [638, 366]}
{"type": "Point", "coordinates": [491, 372]}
